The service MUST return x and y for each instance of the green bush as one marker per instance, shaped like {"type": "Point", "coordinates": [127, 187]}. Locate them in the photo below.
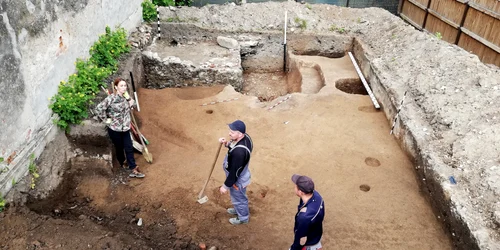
{"type": "Point", "coordinates": [2, 203]}
{"type": "Point", "coordinates": [184, 3]}
{"type": "Point", "coordinates": [173, 3]}
{"type": "Point", "coordinates": [105, 52]}
{"type": "Point", "coordinates": [148, 11]}
{"type": "Point", "coordinates": [74, 96]}
{"type": "Point", "coordinates": [164, 2]}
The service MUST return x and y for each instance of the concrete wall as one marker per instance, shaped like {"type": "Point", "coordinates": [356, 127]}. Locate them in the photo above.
{"type": "Point", "coordinates": [39, 43]}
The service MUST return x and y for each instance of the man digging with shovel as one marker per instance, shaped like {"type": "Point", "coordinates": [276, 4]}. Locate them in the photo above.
{"type": "Point", "coordinates": [237, 173]}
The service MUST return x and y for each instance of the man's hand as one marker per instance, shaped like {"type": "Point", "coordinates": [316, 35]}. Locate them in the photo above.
{"type": "Point", "coordinates": [222, 189]}
{"type": "Point", "coordinates": [223, 141]}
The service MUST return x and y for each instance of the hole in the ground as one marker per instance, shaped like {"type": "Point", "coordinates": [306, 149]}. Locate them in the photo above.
{"type": "Point", "coordinates": [372, 162]}
{"type": "Point", "coordinates": [351, 86]}
{"type": "Point", "coordinates": [364, 188]}
{"type": "Point", "coordinates": [209, 111]}
{"type": "Point", "coordinates": [266, 86]}
{"type": "Point", "coordinates": [302, 77]}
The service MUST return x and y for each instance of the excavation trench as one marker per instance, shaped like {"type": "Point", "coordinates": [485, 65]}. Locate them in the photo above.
{"type": "Point", "coordinates": [327, 128]}
{"type": "Point", "coordinates": [319, 94]}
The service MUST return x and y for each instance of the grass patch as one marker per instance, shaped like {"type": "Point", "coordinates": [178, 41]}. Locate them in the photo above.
{"type": "Point", "coordinates": [302, 23]}
{"type": "Point", "coordinates": [340, 30]}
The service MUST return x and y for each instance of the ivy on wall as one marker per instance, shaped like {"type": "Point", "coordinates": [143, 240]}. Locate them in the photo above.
{"type": "Point", "coordinates": [73, 97]}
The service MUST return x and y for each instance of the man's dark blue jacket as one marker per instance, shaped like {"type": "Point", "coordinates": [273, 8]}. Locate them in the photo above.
{"type": "Point", "coordinates": [309, 222]}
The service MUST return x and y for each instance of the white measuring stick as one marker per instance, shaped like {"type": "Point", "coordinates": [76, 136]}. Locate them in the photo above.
{"type": "Point", "coordinates": [215, 102]}
{"type": "Point", "coordinates": [397, 113]}
{"type": "Point", "coordinates": [158, 16]}
{"type": "Point", "coordinates": [284, 37]}
{"type": "Point", "coordinates": [363, 80]}
{"type": "Point", "coordinates": [284, 43]}
{"type": "Point", "coordinates": [288, 97]}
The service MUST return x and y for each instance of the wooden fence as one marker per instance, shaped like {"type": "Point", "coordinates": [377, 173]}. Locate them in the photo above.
{"type": "Point", "coordinates": [471, 24]}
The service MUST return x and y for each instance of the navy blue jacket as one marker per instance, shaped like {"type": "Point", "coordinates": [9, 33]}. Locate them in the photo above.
{"type": "Point", "coordinates": [237, 159]}
{"type": "Point", "coordinates": [309, 221]}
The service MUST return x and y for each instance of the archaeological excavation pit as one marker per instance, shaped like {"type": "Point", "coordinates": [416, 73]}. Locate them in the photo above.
{"type": "Point", "coordinates": [381, 191]}
{"type": "Point", "coordinates": [315, 119]}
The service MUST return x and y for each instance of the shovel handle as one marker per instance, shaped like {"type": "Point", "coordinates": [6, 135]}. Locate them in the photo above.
{"type": "Point", "coordinates": [147, 155]}
{"type": "Point", "coordinates": [211, 170]}
{"type": "Point", "coordinates": [132, 80]}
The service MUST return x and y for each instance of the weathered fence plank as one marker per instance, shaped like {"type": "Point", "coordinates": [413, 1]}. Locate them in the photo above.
{"type": "Point", "coordinates": [471, 24]}
{"type": "Point", "coordinates": [414, 14]}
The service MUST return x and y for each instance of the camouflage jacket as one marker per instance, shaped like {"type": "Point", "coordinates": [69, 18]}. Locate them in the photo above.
{"type": "Point", "coordinates": [117, 108]}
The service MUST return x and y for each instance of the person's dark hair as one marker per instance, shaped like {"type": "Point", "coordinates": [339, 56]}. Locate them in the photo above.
{"type": "Point", "coordinates": [304, 183]}
{"type": "Point", "coordinates": [115, 83]}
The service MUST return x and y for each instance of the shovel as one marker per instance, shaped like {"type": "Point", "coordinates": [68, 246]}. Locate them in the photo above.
{"type": "Point", "coordinates": [135, 93]}
{"type": "Point", "coordinates": [148, 156]}
{"type": "Point", "coordinates": [202, 199]}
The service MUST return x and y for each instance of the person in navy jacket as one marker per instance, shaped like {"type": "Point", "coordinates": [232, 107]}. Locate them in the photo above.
{"type": "Point", "coordinates": [237, 172]}
{"type": "Point", "coordinates": [308, 227]}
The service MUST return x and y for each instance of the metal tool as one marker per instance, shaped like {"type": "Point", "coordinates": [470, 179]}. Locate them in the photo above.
{"type": "Point", "coordinates": [202, 199]}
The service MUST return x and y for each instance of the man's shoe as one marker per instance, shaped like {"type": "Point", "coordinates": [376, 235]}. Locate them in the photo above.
{"type": "Point", "coordinates": [237, 221]}
{"type": "Point", "coordinates": [232, 211]}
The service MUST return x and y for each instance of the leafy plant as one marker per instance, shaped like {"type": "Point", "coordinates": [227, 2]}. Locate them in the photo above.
{"type": "Point", "coordinates": [14, 181]}
{"type": "Point", "coordinates": [105, 52]}
{"type": "Point", "coordinates": [301, 22]}
{"type": "Point", "coordinates": [175, 19]}
{"type": "Point", "coordinates": [33, 170]}
{"type": "Point", "coordinates": [438, 35]}
{"type": "Point", "coordinates": [164, 2]}
{"type": "Point", "coordinates": [173, 3]}
{"type": "Point", "coordinates": [1, 159]}
{"type": "Point", "coordinates": [309, 6]}
{"type": "Point", "coordinates": [2, 203]}
{"type": "Point", "coordinates": [148, 11]}
{"type": "Point", "coordinates": [72, 98]}
{"type": "Point", "coordinates": [340, 30]}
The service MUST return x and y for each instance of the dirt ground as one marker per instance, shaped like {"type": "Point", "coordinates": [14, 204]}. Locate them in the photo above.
{"type": "Point", "coordinates": [322, 135]}
{"type": "Point", "coordinates": [338, 139]}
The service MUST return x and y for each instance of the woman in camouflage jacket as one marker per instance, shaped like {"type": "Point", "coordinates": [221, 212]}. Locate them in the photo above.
{"type": "Point", "coordinates": [115, 110]}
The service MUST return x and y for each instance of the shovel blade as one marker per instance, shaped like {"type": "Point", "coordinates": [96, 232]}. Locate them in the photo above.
{"type": "Point", "coordinates": [148, 156]}
{"type": "Point", "coordinates": [203, 199]}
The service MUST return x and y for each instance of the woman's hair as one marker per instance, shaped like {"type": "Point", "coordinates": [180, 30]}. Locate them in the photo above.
{"type": "Point", "coordinates": [115, 84]}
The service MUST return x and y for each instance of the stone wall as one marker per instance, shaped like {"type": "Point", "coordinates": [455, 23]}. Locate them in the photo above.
{"type": "Point", "coordinates": [39, 43]}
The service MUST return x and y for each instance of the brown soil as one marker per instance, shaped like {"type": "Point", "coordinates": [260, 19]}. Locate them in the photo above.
{"type": "Point", "coordinates": [336, 138]}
